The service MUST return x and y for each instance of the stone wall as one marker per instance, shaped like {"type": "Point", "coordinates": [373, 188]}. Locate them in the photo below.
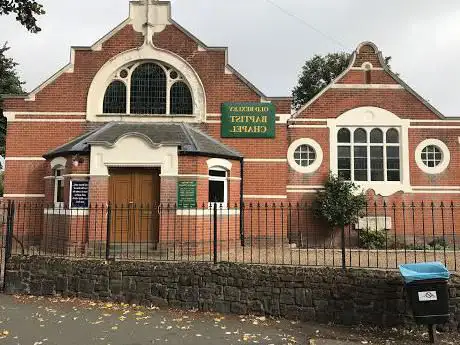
{"type": "Point", "coordinates": [309, 294]}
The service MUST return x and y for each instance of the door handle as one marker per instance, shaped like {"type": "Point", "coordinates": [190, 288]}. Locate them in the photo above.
{"type": "Point", "coordinates": [159, 210]}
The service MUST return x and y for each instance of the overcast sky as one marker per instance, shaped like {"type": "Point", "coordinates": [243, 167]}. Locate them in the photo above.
{"type": "Point", "coordinates": [267, 45]}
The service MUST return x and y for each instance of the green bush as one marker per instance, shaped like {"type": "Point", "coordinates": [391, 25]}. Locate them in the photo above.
{"type": "Point", "coordinates": [340, 203]}
{"type": "Point", "coordinates": [371, 239]}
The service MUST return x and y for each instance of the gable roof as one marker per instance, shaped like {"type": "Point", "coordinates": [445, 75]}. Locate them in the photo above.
{"type": "Point", "coordinates": [97, 46]}
{"type": "Point", "coordinates": [385, 68]}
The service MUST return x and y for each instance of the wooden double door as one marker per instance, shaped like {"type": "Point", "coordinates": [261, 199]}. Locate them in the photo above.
{"type": "Point", "coordinates": [135, 196]}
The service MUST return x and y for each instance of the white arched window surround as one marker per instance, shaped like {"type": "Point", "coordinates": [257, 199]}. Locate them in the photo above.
{"type": "Point", "coordinates": [105, 75]}
{"type": "Point", "coordinates": [444, 161]}
{"type": "Point", "coordinates": [312, 166]}
{"type": "Point", "coordinates": [124, 75]}
{"type": "Point", "coordinates": [369, 118]}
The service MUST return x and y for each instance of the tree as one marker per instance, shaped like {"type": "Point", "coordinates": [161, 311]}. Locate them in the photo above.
{"type": "Point", "coordinates": [340, 203]}
{"type": "Point", "coordinates": [26, 12]}
{"type": "Point", "coordinates": [10, 83]}
{"type": "Point", "coordinates": [317, 73]}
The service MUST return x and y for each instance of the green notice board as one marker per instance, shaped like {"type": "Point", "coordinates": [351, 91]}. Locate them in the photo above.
{"type": "Point", "coordinates": [248, 120]}
{"type": "Point", "coordinates": [186, 194]}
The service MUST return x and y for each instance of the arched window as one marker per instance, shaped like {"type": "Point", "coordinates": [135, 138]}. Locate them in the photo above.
{"type": "Point", "coordinates": [181, 99]}
{"type": "Point", "coordinates": [115, 98]}
{"type": "Point", "coordinates": [148, 88]}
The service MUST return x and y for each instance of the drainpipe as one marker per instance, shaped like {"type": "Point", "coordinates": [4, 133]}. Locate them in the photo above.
{"type": "Point", "coordinates": [242, 201]}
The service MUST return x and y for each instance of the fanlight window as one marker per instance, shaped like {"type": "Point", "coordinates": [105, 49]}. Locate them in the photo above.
{"type": "Point", "coordinates": [148, 89]}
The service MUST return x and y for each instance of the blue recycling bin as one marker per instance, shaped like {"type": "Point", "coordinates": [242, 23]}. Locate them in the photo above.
{"type": "Point", "coordinates": [426, 285]}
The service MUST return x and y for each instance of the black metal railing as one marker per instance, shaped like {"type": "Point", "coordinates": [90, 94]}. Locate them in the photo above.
{"type": "Point", "coordinates": [385, 236]}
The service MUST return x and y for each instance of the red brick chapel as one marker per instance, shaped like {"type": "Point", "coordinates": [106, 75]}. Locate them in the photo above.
{"type": "Point", "coordinates": [150, 115]}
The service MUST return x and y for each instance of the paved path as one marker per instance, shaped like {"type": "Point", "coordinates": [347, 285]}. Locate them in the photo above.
{"type": "Point", "coordinates": [57, 321]}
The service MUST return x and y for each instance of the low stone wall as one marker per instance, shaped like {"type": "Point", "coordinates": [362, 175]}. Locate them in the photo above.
{"type": "Point", "coordinates": [309, 294]}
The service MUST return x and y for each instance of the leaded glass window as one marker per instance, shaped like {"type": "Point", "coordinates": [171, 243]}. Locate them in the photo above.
{"type": "Point", "coordinates": [115, 98]}
{"type": "Point", "coordinates": [148, 88]}
{"type": "Point", "coordinates": [181, 99]}
{"type": "Point", "coordinates": [372, 155]}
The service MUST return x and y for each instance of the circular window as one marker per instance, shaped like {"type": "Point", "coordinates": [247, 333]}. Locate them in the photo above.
{"type": "Point", "coordinates": [174, 75]}
{"type": "Point", "coordinates": [305, 155]}
{"type": "Point", "coordinates": [123, 73]}
{"type": "Point", "coordinates": [432, 156]}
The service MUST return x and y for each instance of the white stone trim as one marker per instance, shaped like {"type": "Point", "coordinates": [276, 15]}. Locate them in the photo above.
{"type": "Point", "coordinates": [437, 187]}
{"type": "Point", "coordinates": [308, 120]}
{"type": "Point", "coordinates": [367, 86]}
{"type": "Point", "coordinates": [218, 162]}
{"type": "Point", "coordinates": [434, 127]}
{"type": "Point", "coordinates": [23, 195]}
{"type": "Point", "coordinates": [445, 156]}
{"type": "Point", "coordinates": [312, 167]}
{"type": "Point", "coordinates": [265, 196]}
{"type": "Point", "coordinates": [307, 126]}
{"type": "Point", "coordinates": [75, 212]}
{"type": "Point", "coordinates": [265, 160]}
{"type": "Point", "coordinates": [47, 113]}
{"type": "Point", "coordinates": [133, 151]}
{"type": "Point", "coordinates": [58, 161]}
{"type": "Point", "coordinates": [48, 120]}
{"type": "Point", "coordinates": [25, 159]}
{"type": "Point", "coordinates": [437, 121]}
{"type": "Point", "coordinates": [305, 187]}
{"type": "Point", "coordinates": [145, 53]}
{"type": "Point", "coordinates": [306, 191]}
{"type": "Point", "coordinates": [437, 191]}
{"type": "Point", "coordinates": [207, 212]}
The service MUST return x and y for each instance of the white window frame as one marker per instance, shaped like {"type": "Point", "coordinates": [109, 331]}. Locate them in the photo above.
{"type": "Point", "coordinates": [57, 179]}
{"type": "Point", "coordinates": [313, 167]}
{"type": "Point", "coordinates": [445, 161]}
{"type": "Point", "coordinates": [219, 179]}
{"type": "Point", "coordinates": [368, 145]}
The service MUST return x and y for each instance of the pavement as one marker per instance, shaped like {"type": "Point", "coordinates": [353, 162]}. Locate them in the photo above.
{"type": "Point", "coordinates": [27, 320]}
{"type": "Point", "coordinates": [59, 321]}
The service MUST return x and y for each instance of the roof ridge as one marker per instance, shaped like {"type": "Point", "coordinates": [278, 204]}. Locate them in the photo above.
{"type": "Point", "coordinates": [215, 141]}
{"type": "Point", "coordinates": [186, 129]}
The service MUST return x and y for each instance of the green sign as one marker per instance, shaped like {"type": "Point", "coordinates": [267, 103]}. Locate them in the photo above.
{"type": "Point", "coordinates": [248, 120]}
{"type": "Point", "coordinates": [186, 194]}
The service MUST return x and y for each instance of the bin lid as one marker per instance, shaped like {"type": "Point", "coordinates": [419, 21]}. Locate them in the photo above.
{"type": "Point", "coordinates": [424, 271]}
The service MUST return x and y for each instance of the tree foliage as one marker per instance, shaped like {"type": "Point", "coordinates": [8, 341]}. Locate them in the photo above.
{"type": "Point", "coordinates": [340, 203]}
{"type": "Point", "coordinates": [317, 73]}
{"type": "Point", "coordinates": [26, 12]}
{"type": "Point", "coordinates": [10, 83]}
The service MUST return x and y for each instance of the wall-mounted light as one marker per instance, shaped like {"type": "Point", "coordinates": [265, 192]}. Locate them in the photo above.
{"type": "Point", "coordinates": [77, 160]}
